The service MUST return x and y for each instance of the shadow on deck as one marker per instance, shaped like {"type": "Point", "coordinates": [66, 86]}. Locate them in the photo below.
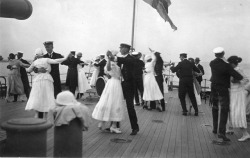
{"type": "Point", "coordinates": [162, 134]}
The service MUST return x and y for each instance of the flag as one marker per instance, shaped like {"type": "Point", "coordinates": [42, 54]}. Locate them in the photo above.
{"type": "Point", "coordinates": [162, 8]}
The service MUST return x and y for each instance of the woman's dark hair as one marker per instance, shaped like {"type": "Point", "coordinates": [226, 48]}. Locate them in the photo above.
{"type": "Point", "coordinates": [234, 60]}
{"type": "Point", "coordinates": [191, 60]}
{"type": "Point", "coordinates": [11, 56]}
{"type": "Point", "coordinates": [158, 56]}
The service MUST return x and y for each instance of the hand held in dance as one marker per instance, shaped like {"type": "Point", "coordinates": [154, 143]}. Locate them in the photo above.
{"type": "Point", "coordinates": [110, 55]}
{"type": "Point", "coordinates": [235, 81]}
{"type": "Point", "coordinates": [39, 70]}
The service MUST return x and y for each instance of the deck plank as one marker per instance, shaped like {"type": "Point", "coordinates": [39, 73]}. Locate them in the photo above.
{"type": "Point", "coordinates": [178, 135]}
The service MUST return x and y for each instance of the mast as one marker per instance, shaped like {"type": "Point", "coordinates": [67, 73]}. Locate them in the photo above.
{"type": "Point", "coordinates": [133, 26]}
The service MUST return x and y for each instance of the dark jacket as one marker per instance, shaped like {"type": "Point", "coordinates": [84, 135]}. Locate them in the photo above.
{"type": "Point", "coordinates": [138, 68]}
{"type": "Point", "coordinates": [101, 65]}
{"type": "Point", "coordinates": [127, 67]}
{"type": "Point", "coordinates": [72, 74]}
{"type": "Point", "coordinates": [55, 73]}
{"type": "Point", "coordinates": [185, 69]}
{"type": "Point", "coordinates": [200, 67]}
{"type": "Point", "coordinates": [24, 75]}
{"type": "Point", "coordinates": [158, 67]}
{"type": "Point", "coordinates": [221, 73]}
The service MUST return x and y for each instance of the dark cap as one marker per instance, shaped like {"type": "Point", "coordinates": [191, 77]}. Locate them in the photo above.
{"type": "Point", "coordinates": [20, 53]}
{"type": "Point", "coordinates": [123, 45]}
{"type": "Point", "coordinates": [197, 59]}
{"type": "Point", "coordinates": [183, 55]}
{"type": "Point", "coordinates": [157, 53]}
{"type": "Point", "coordinates": [73, 52]}
{"type": "Point", "coordinates": [48, 42]}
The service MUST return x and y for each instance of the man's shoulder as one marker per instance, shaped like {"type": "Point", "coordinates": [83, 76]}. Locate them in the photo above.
{"type": "Point", "coordinates": [57, 54]}
{"type": "Point", "coordinates": [185, 62]}
{"type": "Point", "coordinates": [129, 56]}
{"type": "Point", "coordinates": [24, 61]}
{"type": "Point", "coordinates": [46, 55]}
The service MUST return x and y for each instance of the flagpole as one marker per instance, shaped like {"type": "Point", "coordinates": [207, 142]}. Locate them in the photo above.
{"type": "Point", "coordinates": [133, 26]}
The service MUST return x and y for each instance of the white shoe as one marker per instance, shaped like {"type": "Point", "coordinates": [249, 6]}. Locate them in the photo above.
{"type": "Point", "coordinates": [115, 130]}
{"type": "Point", "coordinates": [100, 126]}
{"type": "Point", "coordinates": [244, 138]}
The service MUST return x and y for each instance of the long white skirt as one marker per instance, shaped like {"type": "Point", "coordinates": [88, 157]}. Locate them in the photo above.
{"type": "Point", "coordinates": [42, 94]}
{"type": "Point", "coordinates": [83, 84]}
{"type": "Point", "coordinates": [151, 89]}
{"type": "Point", "coordinates": [237, 118]}
{"type": "Point", "coordinates": [247, 103]}
{"type": "Point", "coordinates": [197, 97]}
{"type": "Point", "coordinates": [111, 104]}
{"type": "Point", "coordinates": [165, 84]}
{"type": "Point", "coordinates": [94, 77]}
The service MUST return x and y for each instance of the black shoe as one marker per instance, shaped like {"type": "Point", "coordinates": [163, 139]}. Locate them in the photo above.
{"type": "Point", "coordinates": [230, 132]}
{"type": "Point", "coordinates": [184, 113]}
{"type": "Point", "coordinates": [223, 137]}
{"type": "Point", "coordinates": [159, 109]}
{"type": "Point", "coordinates": [149, 108]}
{"type": "Point", "coordinates": [142, 103]}
{"type": "Point", "coordinates": [214, 131]}
{"type": "Point", "coordinates": [134, 132]}
{"type": "Point", "coordinates": [145, 107]}
{"type": "Point", "coordinates": [107, 129]}
{"type": "Point", "coordinates": [14, 101]}
{"type": "Point", "coordinates": [196, 114]}
{"type": "Point", "coordinates": [137, 104]}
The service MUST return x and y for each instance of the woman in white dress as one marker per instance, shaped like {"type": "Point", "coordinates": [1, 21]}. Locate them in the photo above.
{"type": "Point", "coordinates": [111, 104]}
{"type": "Point", "coordinates": [247, 87]}
{"type": "Point", "coordinates": [197, 88]}
{"type": "Point", "coordinates": [166, 79]}
{"type": "Point", "coordinates": [152, 91]}
{"type": "Point", "coordinates": [83, 84]}
{"type": "Point", "coordinates": [14, 82]}
{"type": "Point", "coordinates": [95, 72]}
{"type": "Point", "coordinates": [42, 93]}
{"type": "Point", "coordinates": [238, 94]}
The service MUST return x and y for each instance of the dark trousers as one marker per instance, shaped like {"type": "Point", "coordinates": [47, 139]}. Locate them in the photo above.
{"type": "Point", "coordinates": [128, 92]}
{"type": "Point", "coordinates": [72, 88]}
{"type": "Point", "coordinates": [220, 95]}
{"type": "Point", "coordinates": [15, 97]}
{"type": "Point", "coordinates": [138, 84]}
{"type": "Point", "coordinates": [159, 80]}
{"type": "Point", "coordinates": [26, 86]}
{"type": "Point", "coordinates": [57, 85]}
{"type": "Point", "coordinates": [186, 86]}
{"type": "Point", "coordinates": [72, 79]}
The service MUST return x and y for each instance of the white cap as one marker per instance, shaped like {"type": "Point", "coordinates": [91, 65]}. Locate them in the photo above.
{"type": "Point", "coordinates": [66, 98]}
{"type": "Point", "coordinates": [135, 53]}
{"type": "Point", "coordinates": [147, 57]}
{"type": "Point", "coordinates": [218, 50]}
{"type": "Point", "coordinates": [39, 52]}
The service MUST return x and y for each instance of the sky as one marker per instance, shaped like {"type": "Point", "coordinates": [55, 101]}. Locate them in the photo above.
{"type": "Point", "coordinates": [95, 26]}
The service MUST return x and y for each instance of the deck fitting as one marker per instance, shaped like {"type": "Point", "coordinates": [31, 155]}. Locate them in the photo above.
{"type": "Point", "coordinates": [120, 140]}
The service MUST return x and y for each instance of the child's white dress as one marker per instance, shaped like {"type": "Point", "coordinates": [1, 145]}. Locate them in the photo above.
{"type": "Point", "coordinates": [151, 88]}
{"type": "Point", "coordinates": [111, 104]}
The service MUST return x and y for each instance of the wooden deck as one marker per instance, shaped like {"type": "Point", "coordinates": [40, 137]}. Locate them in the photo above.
{"type": "Point", "coordinates": [162, 134]}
